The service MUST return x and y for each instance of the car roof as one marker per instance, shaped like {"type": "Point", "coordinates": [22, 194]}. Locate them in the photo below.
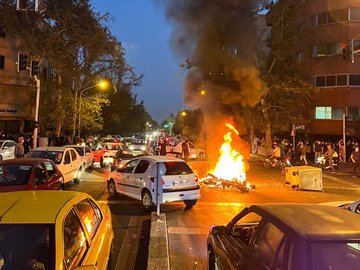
{"type": "Point", "coordinates": [34, 206]}
{"type": "Point", "coordinates": [2, 141]}
{"type": "Point", "coordinates": [161, 158]}
{"type": "Point", "coordinates": [73, 146]}
{"type": "Point", "coordinates": [23, 161]}
{"type": "Point", "coordinates": [51, 148]}
{"type": "Point", "coordinates": [314, 222]}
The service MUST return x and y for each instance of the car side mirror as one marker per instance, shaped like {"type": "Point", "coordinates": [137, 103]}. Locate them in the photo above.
{"type": "Point", "coordinates": [217, 230]}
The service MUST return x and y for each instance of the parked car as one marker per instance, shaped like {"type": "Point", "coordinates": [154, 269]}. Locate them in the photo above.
{"type": "Point", "coordinates": [7, 148]}
{"type": "Point", "coordinates": [137, 180]}
{"type": "Point", "coordinates": [66, 159]}
{"type": "Point", "coordinates": [286, 236]}
{"type": "Point", "coordinates": [104, 152]}
{"type": "Point", "coordinates": [87, 157]}
{"type": "Point", "coordinates": [122, 156]}
{"type": "Point", "coordinates": [29, 174]}
{"type": "Point", "coordinates": [54, 230]}
{"type": "Point", "coordinates": [175, 148]}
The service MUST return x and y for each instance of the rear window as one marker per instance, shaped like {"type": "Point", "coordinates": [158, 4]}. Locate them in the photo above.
{"type": "Point", "coordinates": [55, 156]}
{"type": "Point", "coordinates": [112, 146]}
{"type": "Point", "coordinates": [335, 255]}
{"type": "Point", "coordinates": [11, 175]}
{"type": "Point", "coordinates": [177, 168]}
{"type": "Point", "coordinates": [27, 246]}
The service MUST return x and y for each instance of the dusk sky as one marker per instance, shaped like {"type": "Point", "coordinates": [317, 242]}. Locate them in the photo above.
{"type": "Point", "coordinates": [141, 27]}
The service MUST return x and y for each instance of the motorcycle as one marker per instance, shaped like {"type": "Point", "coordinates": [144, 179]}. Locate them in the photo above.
{"type": "Point", "coordinates": [323, 164]}
{"type": "Point", "coordinates": [277, 163]}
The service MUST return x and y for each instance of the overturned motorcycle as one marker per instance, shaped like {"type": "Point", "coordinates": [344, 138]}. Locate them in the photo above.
{"type": "Point", "coordinates": [277, 163]}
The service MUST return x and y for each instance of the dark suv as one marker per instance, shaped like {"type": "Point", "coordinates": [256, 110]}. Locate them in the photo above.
{"type": "Point", "coordinates": [287, 237]}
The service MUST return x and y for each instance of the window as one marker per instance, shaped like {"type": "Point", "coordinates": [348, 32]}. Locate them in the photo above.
{"type": "Point", "coordinates": [354, 79]}
{"type": "Point", "coordinates": [49, 168]}
{"type": "Point", "coordinates": [337, 113]}
{"type": "Point", "coordinates": [331, 80]}
{"type": "Point", "coordinates": [332, 16]}
{"type": "Point", "coordinates": [80, 151]}
{"type": "Point", "coordinates": [2, 62]}
{"type": "Point", "coordinates": [322, 18]}
{"type": "Point", "coordinates": [335, 80]}
{"type": "Point", "coordinates": [73, 154]}
{"type": "Point", "coordinates": [75, 242]}
{"type": "Point", "coordinates": [90, 218]}
{"type": "Point", "coordinates": [67, 159]}
{"type": "Point", "coordinates": [267, 244]}
{"type": "Point", "coordinates": [323, 113]}
{"type": "Point", "coordinates": [300, 57]}
{"type": "Point", "coordinates": [327, 49]}
{"type": "Point", "coordinates": [87, 149]}
{"type": "Point", "coordinates": [244, 229]}
{"type": "Point", "coordinates": [40, 175]}
{"type": "Point", "coordinates": [129, 167]}
{"type": "Point", "coordinates": [52, 155]}
{"type": "Point", "coordinates": [142, 167]}
{"type": "Point", "coordinates": [9, 144]}
{"type": "Point", "coordinates": [320, 81]}
{"type": "Point", "coordinates": [354, 14]}
{"type": "Point", "coordinates": [343, 15]}
{"type": "Point", "coordinates": [341, 80]}
{"type": "Point", "coordinates": [177, 168]}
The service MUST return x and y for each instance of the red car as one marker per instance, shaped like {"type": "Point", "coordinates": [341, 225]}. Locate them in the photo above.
{"type": "Point", "coordinates": [29, 174]}
{"type": "Point", "coordinates": [103, 152]}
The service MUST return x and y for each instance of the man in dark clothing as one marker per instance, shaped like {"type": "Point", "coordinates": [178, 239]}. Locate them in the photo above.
{"type": "Point", "coordinates": [27, 145]}
{"type": "Point", "coordinates": [19, 148]}
{"type": "Point", "coordinates": [163, 147]}
{"type": "Point", "coordinates": [185, 150]}
{"type": "Point", "coordinates": [317, 150]}
{"type": "Point", "coordinates": [355, 158]}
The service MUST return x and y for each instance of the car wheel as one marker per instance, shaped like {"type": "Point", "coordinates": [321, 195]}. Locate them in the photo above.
{"type": "Point", "coordinates": [102, 165]}
{"type": "Point", "coordinates": [112, 189]}
{"type": "Point", "coordinates": [190, 203]}
{"type": "Point", "coordinates": [211, 260]}
{"type": "Point", "coordinates": [78, 176]}
{"type": "Point", "coordinates": [146, 200]}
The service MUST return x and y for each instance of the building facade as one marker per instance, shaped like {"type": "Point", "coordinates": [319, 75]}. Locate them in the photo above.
{"type": "Point", "coordinates": [17, 95]}
{"type": "Point", "coordinates": [331, 24]}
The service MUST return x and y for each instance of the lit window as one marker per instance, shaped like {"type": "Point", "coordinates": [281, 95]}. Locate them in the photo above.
{"type": "Point", "coordinates": [323, 113]}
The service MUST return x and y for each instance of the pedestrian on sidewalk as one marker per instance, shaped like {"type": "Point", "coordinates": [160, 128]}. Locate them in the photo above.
{"type": "Point", "coordinates": [19, 148]}
{"type": "Point", "coordinates": [355, 159]}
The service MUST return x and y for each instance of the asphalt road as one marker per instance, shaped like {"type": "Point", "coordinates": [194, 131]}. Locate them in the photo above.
{"type": "Point", "coordinates": [188, 228]}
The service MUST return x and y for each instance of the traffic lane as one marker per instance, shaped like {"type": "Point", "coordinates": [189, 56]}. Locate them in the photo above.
{"type": "Point", "coordinates": [188, 228]}
{"type": "Point", "coordinates": [131, 224]}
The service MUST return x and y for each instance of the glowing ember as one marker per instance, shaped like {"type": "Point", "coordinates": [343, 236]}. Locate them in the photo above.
{"type": "Point", "coordinates": [231, 165]}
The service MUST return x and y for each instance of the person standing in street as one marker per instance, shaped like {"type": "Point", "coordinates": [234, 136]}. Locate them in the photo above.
{"type": "Point", "coordinates": [19, 148]}
{"type": "Point", "coordinates": [255, 144]}
{"type": "Point", "coordinates": [163, 147]}
{"type": "Point", "coordinates": [329, 155]}
{"type": "Point", "coordinates": [27, 145]}
{"type": "Point", "coordinates": [355, 159]}
{"type": "Point", "coordinates": [185, 150]}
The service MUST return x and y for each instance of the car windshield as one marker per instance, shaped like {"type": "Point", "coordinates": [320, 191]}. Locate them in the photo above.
{"type": "Point", "coordinates": [177, 168]}
{"type": "Point", "coordinates": [335, 255]}
{"type": "Point", "coordinates": [112, 146]}
{"type": "Point", "coordinates": [80, 150]}
{"type": "Point", "coordinates": [27, 246]}
{"type": "Point", "coordinates": [14, 174]}
{"type": "Point", "coordinates": [55, 156]}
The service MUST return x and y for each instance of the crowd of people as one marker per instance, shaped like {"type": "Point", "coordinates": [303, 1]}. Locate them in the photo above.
{"type": "Point", "coordinates": [309, 152]}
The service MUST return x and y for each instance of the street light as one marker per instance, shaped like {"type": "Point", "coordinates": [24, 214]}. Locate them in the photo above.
{"type": "Point", "coordinates": [102, 84]}
{"type": "Point", "coordinates": [183, 113]}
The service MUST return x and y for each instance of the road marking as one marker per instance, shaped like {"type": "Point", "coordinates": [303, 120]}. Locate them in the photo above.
{"type": "Point", "coordinates": [118, 202]}
{"type": "Point", "coordinates": [186, 230]}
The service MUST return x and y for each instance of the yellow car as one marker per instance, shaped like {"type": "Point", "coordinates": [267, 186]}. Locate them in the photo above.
{"type": "Point", "coordinates": [54, 230]}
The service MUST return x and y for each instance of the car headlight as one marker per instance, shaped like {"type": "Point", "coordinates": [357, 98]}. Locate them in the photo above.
{"type": "Point", "coordinates": [131, 147]}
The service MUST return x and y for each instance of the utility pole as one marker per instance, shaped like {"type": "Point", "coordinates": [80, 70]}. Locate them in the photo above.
{"type": "Point", "coordinates": [344, 136]}
{"type": "Point", "coordinates": [36, 111]}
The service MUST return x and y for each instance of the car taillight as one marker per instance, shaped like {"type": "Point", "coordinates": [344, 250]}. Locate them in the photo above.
{"type": "Point", "coordinates": [196, 180]}
{"type": "Point", "coordinates": [163, 182]}
{"type": "Point", "coordinates": [171, 149]}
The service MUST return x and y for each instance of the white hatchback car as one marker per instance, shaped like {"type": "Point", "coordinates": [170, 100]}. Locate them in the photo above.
{"type": "Point", "coordinates": [66, 159]}
{"type": "Point", "coordinates": [85, 154]}
{"type": "Point", "coordinates": [137, 180]}
{"type": "Point", "coordinates": [7, 148]}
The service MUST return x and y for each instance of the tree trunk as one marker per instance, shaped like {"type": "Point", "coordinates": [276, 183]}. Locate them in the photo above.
{"type": "Point", "coordinates": [58, 119]}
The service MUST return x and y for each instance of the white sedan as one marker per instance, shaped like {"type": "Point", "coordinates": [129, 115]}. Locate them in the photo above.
{"type": "Point", "coordinates": [7, 148]}
{"type": "Point", "coordinates": [137, 180]}
{"type": "Point", "coordinates": [85, 154]}
{"type": "Point", "coordinates": [67, 160]}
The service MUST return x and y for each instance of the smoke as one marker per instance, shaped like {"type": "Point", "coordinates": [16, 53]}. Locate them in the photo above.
{"type": "Point", "coordinates": [218, 40]}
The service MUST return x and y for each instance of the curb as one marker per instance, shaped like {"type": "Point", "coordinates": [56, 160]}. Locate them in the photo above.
{"type": "Point", "coordinates": [159, 257]}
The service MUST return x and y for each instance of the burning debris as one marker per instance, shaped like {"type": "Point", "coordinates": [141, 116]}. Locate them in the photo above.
{"type": "Point", "coordinates": [212, 181]}
{"type": "Point", "coordinates": [230, 169]}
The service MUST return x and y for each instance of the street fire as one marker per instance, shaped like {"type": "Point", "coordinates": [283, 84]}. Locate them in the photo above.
{"type": "Point", "coordinates": [230, 169]}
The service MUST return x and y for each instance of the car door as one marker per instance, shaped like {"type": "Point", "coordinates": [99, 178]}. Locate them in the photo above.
{"type": "Point", "coordinates": [138, 179]}
{"type": "Point", "coordinates": [66, 167]}
{"type": "Point", "coordinates": [40, 178]}
{"type": "Point", "coordinates": [92, 220]}
{"type": "Point", "coordinates": [54, 180]}
{"type": "Point", "coordinates": [193, 150]}
{"type": "Point", "coordinates": [88, 157]}
{"type": "Point", "coordinates": [123, 182]}
{"type": "Point", "coordinates": [236, 242]}
{"type": "Point", "coordinates": [75, 163]}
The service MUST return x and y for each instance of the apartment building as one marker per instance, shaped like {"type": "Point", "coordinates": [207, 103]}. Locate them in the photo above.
{"type": "Point", "coordinates": [17, 96]}
{"type": "Point", "coordinates": [331, 23]}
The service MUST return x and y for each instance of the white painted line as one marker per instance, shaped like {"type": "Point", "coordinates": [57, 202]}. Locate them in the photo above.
{"type": "Point", "coordinates": [186, 230]}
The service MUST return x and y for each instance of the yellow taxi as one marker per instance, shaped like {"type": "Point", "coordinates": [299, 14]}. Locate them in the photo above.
{"type": "Point", "coordinates": [54, 230]}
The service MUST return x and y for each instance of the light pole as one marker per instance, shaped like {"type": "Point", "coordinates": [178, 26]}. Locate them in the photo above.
{"type": "Point", "coordinates": [102, 85]}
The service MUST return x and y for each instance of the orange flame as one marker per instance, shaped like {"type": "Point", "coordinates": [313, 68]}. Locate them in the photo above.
{"type": "Point", "coordinates": [231, 165]}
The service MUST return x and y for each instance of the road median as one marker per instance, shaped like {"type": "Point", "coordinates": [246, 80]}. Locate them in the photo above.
{"type": "Point", "coordinates": [159, 244]}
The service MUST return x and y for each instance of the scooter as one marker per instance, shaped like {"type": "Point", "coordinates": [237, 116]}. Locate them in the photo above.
{"type": "Point", "coordinates": [279, 163]}
{"type": "Point", "coordinates": [321, 163]}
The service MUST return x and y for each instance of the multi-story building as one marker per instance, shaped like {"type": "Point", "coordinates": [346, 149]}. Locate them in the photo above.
{"type": "Point", "coordinates": [332, 23]}
{"type": "Point", "coordinates": [17, 96]}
